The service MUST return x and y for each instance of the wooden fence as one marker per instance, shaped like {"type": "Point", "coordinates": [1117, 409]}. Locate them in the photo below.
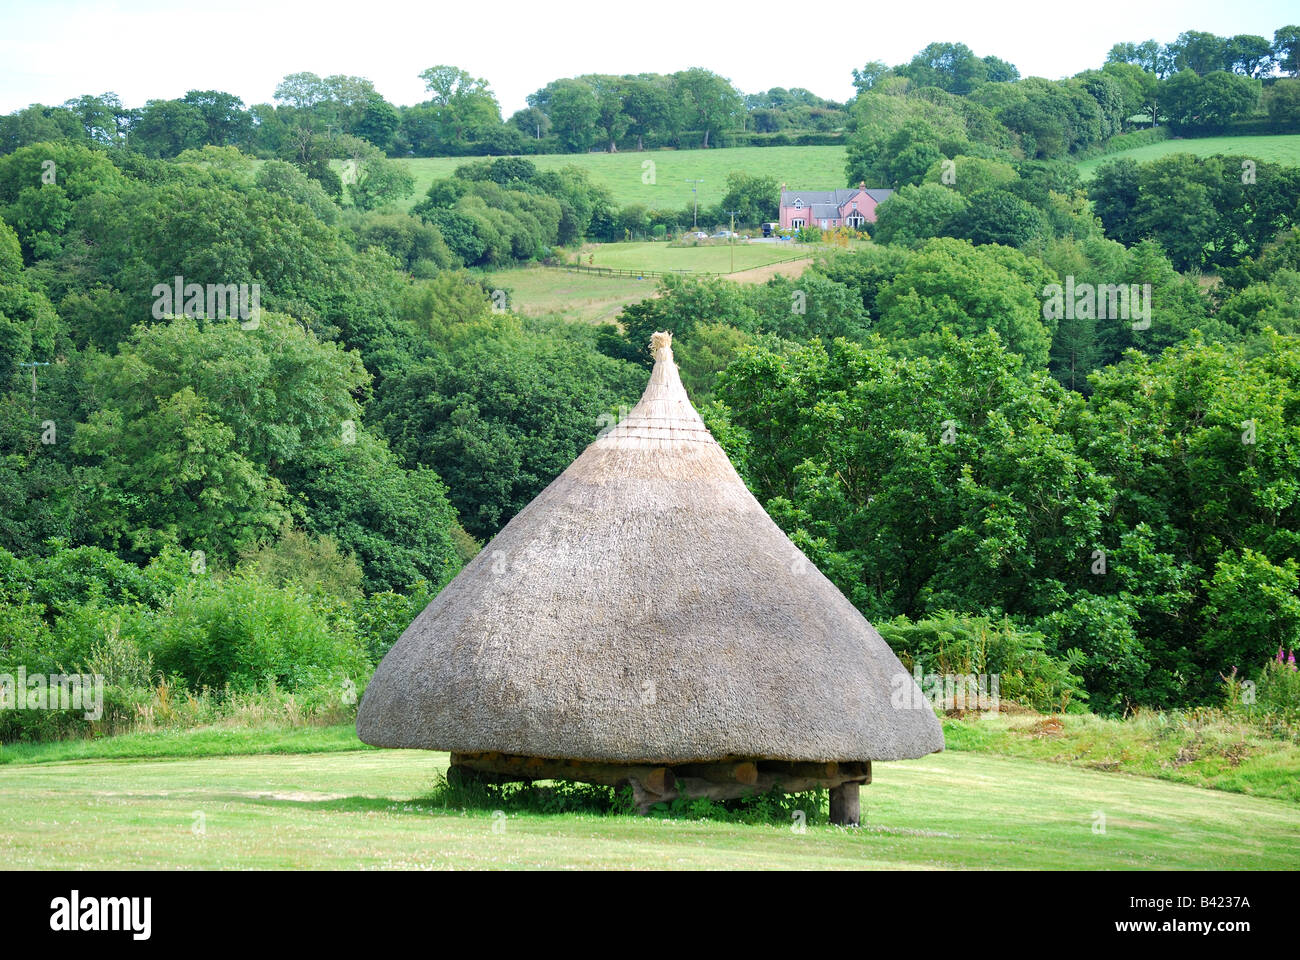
{"type": "Point", "coordinates": [655, 274]}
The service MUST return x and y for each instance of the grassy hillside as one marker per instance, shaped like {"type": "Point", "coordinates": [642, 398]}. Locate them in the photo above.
{"type": "Point", "coordinates": [810, 168]}
{"type": "Point", "coordinates": [363, 809]}
{"type": "Point", "coordinates": [1282, 148]}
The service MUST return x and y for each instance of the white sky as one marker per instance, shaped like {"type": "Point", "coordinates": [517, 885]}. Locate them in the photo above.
{"type": "Point", "coordinates": [53, 50]}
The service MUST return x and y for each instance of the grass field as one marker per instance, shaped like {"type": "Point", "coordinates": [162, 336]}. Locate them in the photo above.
{"type": "Point", "coordinates": [1282, 148]}
{"type": "Point", "coordinates": [584, 297]}
{"type": "Point", "coordinates": [811, 168]}
{"type": "Point", "coordinates": [715, 257]}
{"type": "Point", "coordinates": [592, 298]}
{"type": "Point", "coordinates": [363, 809]}
{"type": "Point", "coordinates": [1206, 750]}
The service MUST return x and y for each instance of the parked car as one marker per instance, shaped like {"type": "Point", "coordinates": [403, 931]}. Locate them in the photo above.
{"type": "Point", "coordinates": [769, 228]}
{"type": "Point", "coordinates": [723, 235]}
{"type": "Point", "coordinates": [699, 235]}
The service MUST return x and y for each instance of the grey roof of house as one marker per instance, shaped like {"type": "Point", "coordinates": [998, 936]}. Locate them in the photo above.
{"type": "Point", "coordinates": [831, 197]}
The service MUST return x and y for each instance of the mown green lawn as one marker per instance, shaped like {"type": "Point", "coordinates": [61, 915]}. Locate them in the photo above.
{"type": "Point", "coordinates": [1280, 148]}
{"type": "Point", "coordinates": [626, 174]}
{"type": "Point", "coordinates": [362, 809]}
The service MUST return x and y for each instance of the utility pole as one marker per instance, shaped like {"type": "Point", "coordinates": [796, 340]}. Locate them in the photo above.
{"type": "Point", "coordinates": [695, 204]}
{"type": "Point", "coordinates": [33, 365]}
{"type": "Point", "coordinates": [732, 239]}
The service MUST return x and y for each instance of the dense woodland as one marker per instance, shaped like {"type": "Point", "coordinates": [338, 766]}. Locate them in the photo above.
{"type": "Point", "coordinates": [1196, 83]}
{"type": "Point", "coordinates": [1104, 509]}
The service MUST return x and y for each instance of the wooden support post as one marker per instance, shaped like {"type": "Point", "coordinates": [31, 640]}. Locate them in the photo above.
{"type": "Point", "coordinates": [845, 805]}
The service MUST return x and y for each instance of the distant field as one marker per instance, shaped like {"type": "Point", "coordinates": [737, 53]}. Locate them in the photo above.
{"type": "Point", "coordinates": [810, 168]}
{"type": "Point", "coordinates": [586, 297]}
{"type": "Point", "coordinates": [1281, 148]}
{"type": "Point", "coordinates": [715, 257]}
{"type": "Point", "coordinates": [594, 298]}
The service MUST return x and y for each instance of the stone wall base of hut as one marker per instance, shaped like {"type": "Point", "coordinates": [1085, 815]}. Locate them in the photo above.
{"type": "Point", "coordinates": [721, 780]}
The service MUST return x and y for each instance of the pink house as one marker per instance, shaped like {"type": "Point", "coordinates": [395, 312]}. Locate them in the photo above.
{"type": "Point", "coordinates": [851, 207]}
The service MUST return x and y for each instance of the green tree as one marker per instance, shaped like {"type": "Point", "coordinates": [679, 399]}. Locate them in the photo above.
{"type": "Point", "coordinates": [710, 102]}
{"type": "Point", "coordinates": [968, 175]}
{"type": "Point", "coordinates": [1282, 100]}
{"type": "Point", "coordinates": [226, 121]}
{"type": "Point", "coordinates": [1199, 52]}
{"type": "Point", "coordinates": [755, 198]}
{"type": "Point", "coordinates": [917, 484]}
{"type": "Point", "coordinates": [380, 182]}
{"type": "Point", "coordinates": [999, 216]}
{"type": "Point", "coordinates": [378, 122]}
{"type": "Point", "coordinates": [1252, 609]}
{"type": "Point", "coordinates": [949, 66]}
{"type": "Point", "coordinates": [461, 101]}
{"type": "Point", "coordinates": [649, 107]}
{"type": "Point", "coordinates": [915, 214]}
{"type": "Point", "coordinates": [196, 423]}
{"type": "Point", "coordinates": [1190, 100]}
{"type": "Point", "coordinates": [871, 74]}
{"type": "Point", "coordinates": [574, 112]}
{"type": "Point", "coordinates": [167, 127]}
{"type": "Point", "coordinates": [611, 120]}
{"type": "Point", "coordinates": [1248, 54]}
{"type": "Point", "coordinates": [968, 289]}
{"type": "Point", "coordinates": [500, 413]}
{"type": "Point", "coordinates": [1286, 49]}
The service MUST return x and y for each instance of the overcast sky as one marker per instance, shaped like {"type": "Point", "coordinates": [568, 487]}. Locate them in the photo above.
{"type": "Point", "coordinates": [53, 50]}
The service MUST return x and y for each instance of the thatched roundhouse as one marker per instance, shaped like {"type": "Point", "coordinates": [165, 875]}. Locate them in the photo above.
{"type": "Point", "coordinates": [644, 621]}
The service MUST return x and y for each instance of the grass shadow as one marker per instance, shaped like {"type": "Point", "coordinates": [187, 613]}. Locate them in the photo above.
{"type": "Point", "coordinates": [565, 796]}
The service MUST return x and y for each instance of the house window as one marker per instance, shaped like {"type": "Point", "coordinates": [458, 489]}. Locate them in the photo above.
{"type": "Point", "coordinates": [856, 220]}
{"type": "Point", "coordinates": [796, 223]}
{"type": "Point", "coordinates": [798, 204]}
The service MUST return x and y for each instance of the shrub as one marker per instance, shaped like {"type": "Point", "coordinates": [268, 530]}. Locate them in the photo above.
{"type": "Point", "coordinates": [314, 563]}
{"type": "Point", "coordinates": [382, 617]}
{"type": "Point", "coordinates": [243, 633]}
{"type": "Point", "coordinates": [1251, 608]}
{"type": "Point", "coordinates": [1278, 689]}
{"type": "Point", "coordinates": [951, 643]}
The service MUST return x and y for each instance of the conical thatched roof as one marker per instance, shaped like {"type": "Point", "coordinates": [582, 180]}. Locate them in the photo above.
{"type": "Point", "coordinates": [645, 609]}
